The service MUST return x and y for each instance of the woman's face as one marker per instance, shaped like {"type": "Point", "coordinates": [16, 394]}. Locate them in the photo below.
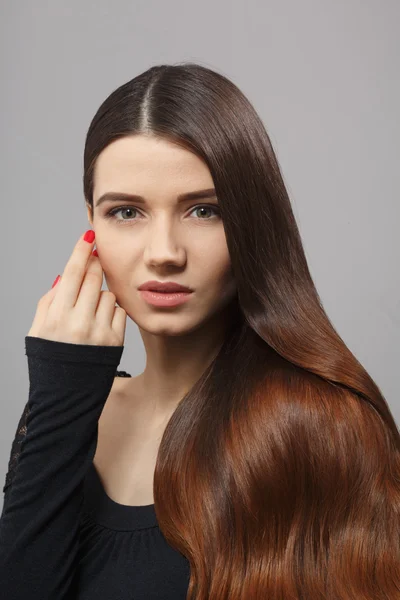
{"type": "Point", "coordinates": [160, 238]}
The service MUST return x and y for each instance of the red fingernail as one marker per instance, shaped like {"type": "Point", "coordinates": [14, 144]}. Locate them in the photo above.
{"type": "Point", "coordinates": [89, 236]}
{"type": "Point", "coordinates": [57, 279]}
{"type": "Point", "coordinates": [94, 252]}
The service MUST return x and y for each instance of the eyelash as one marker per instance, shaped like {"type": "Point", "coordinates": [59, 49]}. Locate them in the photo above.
{"type": "Point", "coordinates": [111, 214]}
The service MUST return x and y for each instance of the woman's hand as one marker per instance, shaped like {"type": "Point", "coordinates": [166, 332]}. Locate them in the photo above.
{"type": "Point", "coordinates": [76, 310]}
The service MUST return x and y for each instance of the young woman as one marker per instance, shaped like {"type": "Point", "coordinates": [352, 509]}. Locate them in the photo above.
{"type": "Point", "coordinates": [254, 457]}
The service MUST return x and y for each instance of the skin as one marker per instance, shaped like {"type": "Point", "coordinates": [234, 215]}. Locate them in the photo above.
{"type": "Point", "coordinates": [166, 241]}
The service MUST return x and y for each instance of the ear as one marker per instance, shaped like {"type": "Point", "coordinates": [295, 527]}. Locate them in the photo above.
{"type": "Point", "coordinates": [89, 214]}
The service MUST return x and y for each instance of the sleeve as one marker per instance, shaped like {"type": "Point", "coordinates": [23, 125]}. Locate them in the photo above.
{"type": "Point", "coordinates": [15, 452]}
{"type": "Point", "coordinates": [39, 527]}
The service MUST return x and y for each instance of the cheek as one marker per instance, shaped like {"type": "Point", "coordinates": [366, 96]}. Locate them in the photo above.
{"type": "Point", "coordinates": [215, 256]}
{"type": "Point", "coordinates": [117, 269]}
{"type": "Point", "coordinates": [215, 268]}
{"type": "Point", "coordinates": [115, 254]}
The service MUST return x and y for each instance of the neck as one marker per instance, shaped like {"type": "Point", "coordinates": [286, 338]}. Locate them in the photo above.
{"type": "Point", "coordinates": [175, 363]}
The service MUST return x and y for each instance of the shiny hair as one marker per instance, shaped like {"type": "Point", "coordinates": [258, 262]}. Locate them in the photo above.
{"type": "Point", "coordinates": [278, 474]}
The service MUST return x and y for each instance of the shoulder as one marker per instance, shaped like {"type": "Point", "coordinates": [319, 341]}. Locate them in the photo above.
{"type": "Point", "coordinates": [124, 388]}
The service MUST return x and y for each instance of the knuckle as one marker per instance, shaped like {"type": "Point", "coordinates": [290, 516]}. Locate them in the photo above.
{"type": "Point", "coordinates": [79, 329]}
{"type": "Point", "coordinates": [73, 269]}
{"type": "Point", "coordinates": [53, 322]}
{"type": "Point", "coordinates": [93, 275]}
{"type": "Point", "coordinates": [109, 295]}
{"type": "Point", "coordinates": [41, 301]}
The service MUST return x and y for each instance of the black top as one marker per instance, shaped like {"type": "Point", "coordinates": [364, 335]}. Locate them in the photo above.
{"type": "Point", "coordinates": [61, 536]}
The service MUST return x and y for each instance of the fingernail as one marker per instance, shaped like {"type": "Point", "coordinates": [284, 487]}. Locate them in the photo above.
{"type": "Point", "coordinates": [57, 279]}
{"type": "Point", "coordinates": [95, 252]}
{"type": "Point", "coordinates": [89, 236]}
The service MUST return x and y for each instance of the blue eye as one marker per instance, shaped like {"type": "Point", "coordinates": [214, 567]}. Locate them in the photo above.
{"type": "Point", "coordinates": [112, 213]}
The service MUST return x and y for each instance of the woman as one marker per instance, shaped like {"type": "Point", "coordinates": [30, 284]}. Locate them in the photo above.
{"type": "Point", "coordinates": [276, 459]}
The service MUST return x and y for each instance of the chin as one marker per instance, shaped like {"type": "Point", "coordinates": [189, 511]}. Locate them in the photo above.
{"type": "Point", "coordinates": [171, 325]}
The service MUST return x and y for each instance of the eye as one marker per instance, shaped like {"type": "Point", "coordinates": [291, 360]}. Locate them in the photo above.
{"type": "Point", "coordinates": [207, 207]}
{"type": "Point", "coordinates": [113, 212]}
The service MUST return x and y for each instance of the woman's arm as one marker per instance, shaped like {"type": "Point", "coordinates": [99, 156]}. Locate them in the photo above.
{"type": "Point", "coordinates": [39, 526]}
{"type": "Point", "coordinates": [14, 454]}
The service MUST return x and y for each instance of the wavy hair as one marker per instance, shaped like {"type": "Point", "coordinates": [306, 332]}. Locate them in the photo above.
{"type": "Point", "coordinates": [278, 474]}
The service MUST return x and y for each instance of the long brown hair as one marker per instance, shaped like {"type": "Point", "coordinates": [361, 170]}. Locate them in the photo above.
{"type": "Point", "coordinates": [278, 474]}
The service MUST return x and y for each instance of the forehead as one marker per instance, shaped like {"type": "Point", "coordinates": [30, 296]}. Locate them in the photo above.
{"type": "Point", "coordinates": [141, 163]}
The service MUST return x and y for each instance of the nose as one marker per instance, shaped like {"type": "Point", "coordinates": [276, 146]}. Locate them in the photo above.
{"type": "Point", "coordinates": [164, 247]}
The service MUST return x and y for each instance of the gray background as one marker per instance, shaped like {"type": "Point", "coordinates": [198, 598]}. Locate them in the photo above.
{"type": "Point", "coordinates": [324, 77]}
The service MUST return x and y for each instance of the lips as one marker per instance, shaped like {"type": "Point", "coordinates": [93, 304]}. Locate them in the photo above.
{"type": "Point", "coordinates": [164, 287]}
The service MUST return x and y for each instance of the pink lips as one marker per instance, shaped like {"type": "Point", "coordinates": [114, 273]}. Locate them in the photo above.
{"type": "Point", "coordinates": [167, 287]}
{"type": "Point", "coordinates": [166, 293]}
{"type": "Point", "coordinates": [164, 299]}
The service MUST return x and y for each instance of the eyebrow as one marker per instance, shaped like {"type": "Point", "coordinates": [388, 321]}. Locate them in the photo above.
{"type": "Point", "coordinates": [121, 196]}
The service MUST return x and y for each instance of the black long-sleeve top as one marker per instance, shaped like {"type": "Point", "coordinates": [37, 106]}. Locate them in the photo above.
{"type": "Point", "coordinates": [61, 536]}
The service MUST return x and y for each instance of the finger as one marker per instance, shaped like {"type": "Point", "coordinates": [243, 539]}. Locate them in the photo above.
{"type": "Point", "coordinates": [119, 322]}
{"type": "Point", "coordinates": [89, 293]}
{"type": "Point", "coordinates": [48, 297]}
{"type": "Point", "coordinates": [42, 308]}
{"type": "Point", "coordinates": [74, 271]}
{"type": "Point", "coordinates": [105, 309]}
